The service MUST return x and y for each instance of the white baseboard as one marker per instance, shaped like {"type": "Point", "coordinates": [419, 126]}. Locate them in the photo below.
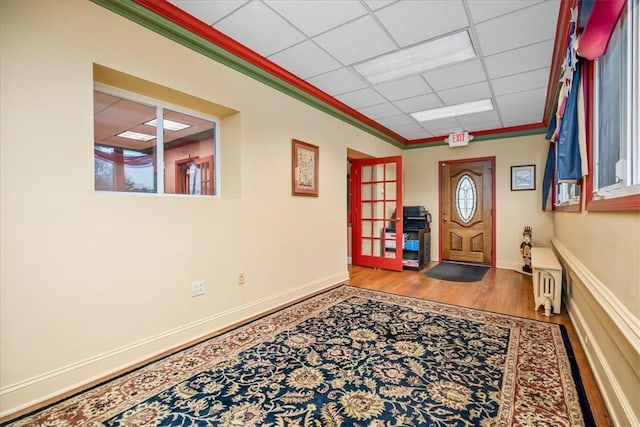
{"type": "Point", "coordinates": [18, 396]}
{"type": "Point", "coordinates": [618, 315]}
{"type": "Point", "coordinates": [510, 265]}
{"type": "Point", "coordinates": [596, 358]}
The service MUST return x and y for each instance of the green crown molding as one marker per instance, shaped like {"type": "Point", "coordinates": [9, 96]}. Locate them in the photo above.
{"type": "Point", "coordinates": [172, 31]}
{"type": "Point", "coordinates": [152, 21]}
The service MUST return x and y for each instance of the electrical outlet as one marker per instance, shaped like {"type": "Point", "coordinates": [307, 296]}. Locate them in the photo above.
{"type": "Point", "coordinates": [197, 288]}
{"type": "Point", "coordinates": [241, 279]}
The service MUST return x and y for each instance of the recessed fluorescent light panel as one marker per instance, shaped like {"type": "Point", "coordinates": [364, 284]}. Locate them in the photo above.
{"type": "Point", "coordinates": [416, 59]}
{"type": "Point", "coordinates": [136, 135]}
{"type": "Point", "coordinates": [454, 110]}
{"type": "Point", "coordinates": [168, 124]}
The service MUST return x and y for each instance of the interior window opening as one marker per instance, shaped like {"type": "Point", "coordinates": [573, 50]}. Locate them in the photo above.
{"type": "Point", "coordinates": [136, 138]}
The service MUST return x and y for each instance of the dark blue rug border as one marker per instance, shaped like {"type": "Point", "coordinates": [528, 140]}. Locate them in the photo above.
{"type": "Point", "coordinates": [587, 415]}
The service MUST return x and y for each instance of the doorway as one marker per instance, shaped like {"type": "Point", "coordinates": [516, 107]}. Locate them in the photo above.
{"type": "Point", "coordinates": [376, 212]}
{"type": "Point", "coordinates": [467, 204]}
{"type": "Point", "coordinates": [194, 175]}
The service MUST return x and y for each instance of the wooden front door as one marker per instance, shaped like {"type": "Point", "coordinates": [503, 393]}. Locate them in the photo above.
{"type": "Point", "coordinates": [376, 209]}
{"type": "Point", "coordinates": [467, 206]}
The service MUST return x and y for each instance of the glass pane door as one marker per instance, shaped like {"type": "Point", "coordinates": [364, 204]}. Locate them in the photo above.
{"type": "Point", "coordinates": [378, 221]}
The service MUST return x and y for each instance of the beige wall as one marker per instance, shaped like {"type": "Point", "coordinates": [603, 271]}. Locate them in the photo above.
{"type": "Point", "coordinates": [91, 282]}
{"type": "Point", "coordinates": [514, 209]}
{"type": "Point", "coordinates": [600, 252]}
{"type": "Point", "coordinates": [608, 244]}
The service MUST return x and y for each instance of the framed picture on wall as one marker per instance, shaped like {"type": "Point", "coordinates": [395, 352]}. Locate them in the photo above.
{"type": "Point", "coordinates": [304, 168]}
{"type": "Point", "coordinates": [523, 177]}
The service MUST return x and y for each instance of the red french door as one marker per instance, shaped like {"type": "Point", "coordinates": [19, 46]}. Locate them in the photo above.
{"type": "Point", "coordinates": [376, 209]}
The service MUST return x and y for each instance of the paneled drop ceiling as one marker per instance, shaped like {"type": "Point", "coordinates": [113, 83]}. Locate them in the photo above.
{"type": "Point", "coordinates": [323, 41]}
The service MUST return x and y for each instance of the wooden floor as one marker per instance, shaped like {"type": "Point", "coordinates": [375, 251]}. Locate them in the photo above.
{"type": "Point", "coordinates": [501, 291]}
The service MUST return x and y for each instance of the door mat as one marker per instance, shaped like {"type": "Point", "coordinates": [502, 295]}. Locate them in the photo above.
{"type": "Point", "coordinates": [454, 272]}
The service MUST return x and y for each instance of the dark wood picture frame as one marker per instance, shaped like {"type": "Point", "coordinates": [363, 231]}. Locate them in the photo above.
{"type": "Point", "coordinates": [523, 177]}
{"type": "Point", "coordinates": [305, 161]}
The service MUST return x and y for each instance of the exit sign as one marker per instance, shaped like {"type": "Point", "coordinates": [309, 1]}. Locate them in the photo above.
{"type": "Point", "coordinates": [458, 139]}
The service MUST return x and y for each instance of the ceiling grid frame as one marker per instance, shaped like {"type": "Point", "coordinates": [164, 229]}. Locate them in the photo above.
{"type": "Point", "coordinates": [352, 104]}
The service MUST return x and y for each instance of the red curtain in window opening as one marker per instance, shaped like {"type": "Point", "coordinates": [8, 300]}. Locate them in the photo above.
{"type": "Point", "coordinates": [599, 22]}
{"type": "Point", "coordinates": [133, 161]}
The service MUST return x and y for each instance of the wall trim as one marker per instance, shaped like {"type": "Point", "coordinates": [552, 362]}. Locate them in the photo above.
{"type": "Point", "coordinates": [214, 324]}
{"type": "Point", "coordinates": [511, 265]}
{"type": "Point", "coordinates": [164, 18]}
{"type": "Point", "coordinates": [157, 23]}
{"type": "Point", "coordinates": [597, 358]}
{"type": "Point", "coordinates": [628, 324]}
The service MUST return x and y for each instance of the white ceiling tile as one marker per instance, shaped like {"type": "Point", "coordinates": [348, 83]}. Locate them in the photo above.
{"type": "Point", "coordinates": [416, 135]}
{"type": "Point", "coordinates": [482, 10]}
{"type": "Point", "coordinates": [522, 107]}
{"type": "Point", "coordinates": [525, 27]}
{"type": "Point", "coordinates": [418, 103]}
{"type": "Point", "coordinates": [316, 16]}
{"type": "Point", "coordinates": [520, 98]}
{"type": "Point", "coordinates": [379, 111]}
{"type": "Point", "coordinates": [305, 60]}
{"type": "Point", "coordinates": [522, 117]}
{"type": "Point", "coordinates": [403, 88]}
{"type": "Point", "coordinates": [361, 98]}
{"type": "Point", "coordinates": [456, 75]}
{"type": "Point", "coordinates": [483, 126]}
{"type": "Point", "coordinates": [480, 121]}
{"type": "Point", "coordinates": [483, 116]}
{"type": "Point", "coordinates": [338, 82]}
{"type": "Point", "coordinates": [515, 36]}
{"type": "Point", "coordinates": [274, 35]}
{"type": "Point", "coordinates": [520, 60]}
{"type": "Point", "coordinates": [377, 4]}
{"type": "Point", "coordinates": [442, 126]}
{"type": "Point", "coordinates": [467, 93]}
{"type": "Point", "coordinates": [520, 82]}
{"type": "Point", "coordinates": [410, 22]}
{"type": "Point", "coordinates": [208, 11]}
{"type": "Point", "coordinates": [402, 120]}
{"type": "Point", "coordinates": [412, 131]}
{"type": "Point", "coordinates": [356, 41]}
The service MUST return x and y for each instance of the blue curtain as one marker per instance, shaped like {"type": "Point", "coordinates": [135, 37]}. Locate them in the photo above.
{"type": "Point", "coordinates": [552, 125]}
{"type": "Point", "coordinates": [586, 6]}
{"type": "Point", "coordinates": [568, 148]}
{"type": "Point", "coordinates": [547, 180]}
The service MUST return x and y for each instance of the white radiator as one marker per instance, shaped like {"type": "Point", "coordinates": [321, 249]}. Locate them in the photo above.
{"type": "Point", "coordinates": [547, 280]}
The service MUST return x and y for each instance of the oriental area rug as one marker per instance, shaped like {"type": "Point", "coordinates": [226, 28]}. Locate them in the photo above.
{"type": "Point", "coordinates": [349, 357]}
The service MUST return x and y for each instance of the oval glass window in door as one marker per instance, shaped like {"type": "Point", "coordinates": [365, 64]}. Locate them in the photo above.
{"type": "Point", "coordinates": [466, 198]}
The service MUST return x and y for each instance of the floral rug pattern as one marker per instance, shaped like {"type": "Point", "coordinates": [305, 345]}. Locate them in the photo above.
{"type": "Point", "coordinates": [348, 357]}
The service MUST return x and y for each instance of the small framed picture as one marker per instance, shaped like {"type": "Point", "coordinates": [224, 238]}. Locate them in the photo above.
{"type": "Point", "coordinates": [304, 168]}
{"type": "Point", "coordinates": [523, 177]}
